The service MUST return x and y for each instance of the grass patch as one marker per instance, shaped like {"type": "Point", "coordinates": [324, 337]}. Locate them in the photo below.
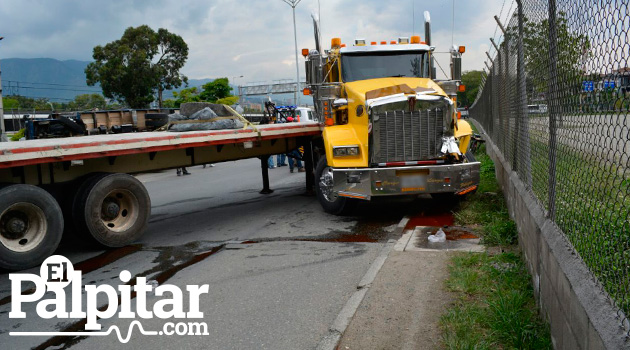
{"type": "Point", "coordinates": [494, 307]}
{"type": "Point", "coordinates": [494, 304]}
{"type": "Point", "coordinates": [592, 202]}
{"type": "Point", "coordinates": [593, 211]}
{"type": "Point", "coordinates": [486, 208]}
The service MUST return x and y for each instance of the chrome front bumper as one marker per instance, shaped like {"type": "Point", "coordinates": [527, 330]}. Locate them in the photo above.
{"type": "Point", "coordinates": [363, 183]}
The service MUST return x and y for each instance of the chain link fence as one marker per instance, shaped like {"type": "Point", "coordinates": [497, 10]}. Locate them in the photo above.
{"type": "Point", "coordinates": [556, 103]}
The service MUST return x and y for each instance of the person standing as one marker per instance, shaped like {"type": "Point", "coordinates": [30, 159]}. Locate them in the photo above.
{"type": "Point", "coordinates": [281, 160]}
{"type": "Point", "coordinates": [298, 159]}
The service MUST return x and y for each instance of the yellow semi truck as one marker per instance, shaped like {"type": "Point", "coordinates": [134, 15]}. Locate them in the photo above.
{"type": "Point", "coordinates": [391, 128]}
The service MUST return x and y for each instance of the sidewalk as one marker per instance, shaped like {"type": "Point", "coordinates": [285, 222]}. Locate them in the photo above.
{"type": "Point", "coordinates": [403, 306]}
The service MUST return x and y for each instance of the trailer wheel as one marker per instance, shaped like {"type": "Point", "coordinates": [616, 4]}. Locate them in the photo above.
{"type": "Point", "coordinates": [470, 157]}
{"type": "Point", "coordinates": [31, 226]}
{"type": "Point", "coordinates": [71, 125]}
{"type": "Point", "coordinates": [155, 120]}
{"type": "Point", "coordinates": [329, 200]}
{"type": "Point", "coordinates": [113, 208]}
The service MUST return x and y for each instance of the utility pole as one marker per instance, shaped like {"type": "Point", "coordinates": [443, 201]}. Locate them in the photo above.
{"type": "Point", "coordinates": [293, 4]}
{"type": "Point", "coordinates": [240, 95]}
{"type": "Point", "coordinates": [3, 135]}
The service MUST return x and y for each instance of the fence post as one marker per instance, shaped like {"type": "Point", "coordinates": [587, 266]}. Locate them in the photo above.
{"type": "Point", "coordinates": [552, 102]}
{"type": "Point", "coordinates": [508, 109]}
{"type": "Point", "coordinates": [500, 100]}
{"type": "Point", "coordinates": [496, 116]}
{"type": "Point", "coordinates": [523, 120]}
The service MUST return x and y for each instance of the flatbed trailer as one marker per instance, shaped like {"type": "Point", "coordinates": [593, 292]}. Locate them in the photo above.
{"type": "Point", "coordinates": [82, 184]}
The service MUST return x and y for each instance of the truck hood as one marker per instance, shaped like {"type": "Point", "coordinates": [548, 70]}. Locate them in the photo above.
{"type": "Point", "coordinates": [385, 90]}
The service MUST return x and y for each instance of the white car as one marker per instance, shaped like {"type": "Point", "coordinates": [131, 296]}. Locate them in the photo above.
{"type": "Point", "coordinates": [536, 109]}
{"type": "Point", "coordinates": [304, 114]}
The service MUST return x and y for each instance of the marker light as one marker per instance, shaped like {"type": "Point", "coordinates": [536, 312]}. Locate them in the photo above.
{"type": "Point", "coordinates": [462, 49]}
{"type": "Point", "coordinates": [304, 52]}
{"type": "Point", "coordinates": [415, 39]}
{"type": "Point", "coordinates": [383, 42]}
{"type": "Point", "coordinates": [373, 43]}
{"type": "Point", "coordinates": [393, 42]}
{"type": "Point", "coordinates": [461, 88]}
{"type": "Point", "coordinates": [306, 91]}
{"type": "Point", "coordinates": [335, 42]}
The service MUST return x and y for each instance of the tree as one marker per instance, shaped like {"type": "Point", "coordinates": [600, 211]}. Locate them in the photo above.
{"type": "Point", "coordinates": [190, 94]}
{"type": "Point", "coordinates": [10, 103]}
{"type": "Point", "coordinates": [230, 100]}
{"type": "Point", "coordinates": [27, 103]}
{"type": "Point", "coordinates": [173, 54]}
{"type": "Point", "coordinates": [139, 63]}
{"type": "Point", "coordinates": [571, 50]}
{"type": "Point", "coordinates": [216, 89]}
{"type": "Point", "coordinates": [472, 80]}
{"type": "Point", "coordinates": [87, 101]}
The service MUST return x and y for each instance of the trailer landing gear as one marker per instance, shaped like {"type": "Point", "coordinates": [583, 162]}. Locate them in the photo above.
{"type": "Point", "coordinates": [264, 165]}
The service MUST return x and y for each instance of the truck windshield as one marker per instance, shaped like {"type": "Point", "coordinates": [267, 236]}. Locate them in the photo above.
{"type": "Point", "coordinates": [371, 65]}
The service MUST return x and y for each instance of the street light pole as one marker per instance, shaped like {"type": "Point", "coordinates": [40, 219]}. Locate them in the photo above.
{"type": "Point", "coordinates": [293, 4]}
{"type": "Point", "coordinates": [237, 87]}
{"type": "Point", "coordinates": [3, 135]}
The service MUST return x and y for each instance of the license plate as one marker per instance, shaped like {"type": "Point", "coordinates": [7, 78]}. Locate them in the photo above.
{"type": "Point", "coordinates": [412, 183]}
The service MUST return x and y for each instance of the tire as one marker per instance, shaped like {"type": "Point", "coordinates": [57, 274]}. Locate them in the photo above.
{"type": "Point", "coordinates": [445, 197]}
{"type": "Point", "coordinates": [157, 117]}
{"type": "Point", "coordinates": [331, 203]}
{"type": "Point", "coordinates": [31, 226]}
{"type": "Point", "coordinates": [470, 157]}
{"type": "Point", "coordinates": [154, 124]}
{"type": "Point", "coordinates": [113, 209]}
{"type": "Point", "coordinates": [155, 120]}
{"type": "Point", "coordinates": [71, 125]}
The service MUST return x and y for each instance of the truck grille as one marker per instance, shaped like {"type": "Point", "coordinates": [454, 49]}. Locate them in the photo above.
{"type": "Point", "coordinates": [407, 136]}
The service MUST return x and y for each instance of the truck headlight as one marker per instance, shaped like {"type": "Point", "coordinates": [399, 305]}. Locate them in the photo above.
{"type": "Point", "coordinates": [346, 151]}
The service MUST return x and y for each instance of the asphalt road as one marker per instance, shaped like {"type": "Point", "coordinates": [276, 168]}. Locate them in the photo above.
{"type": "Point", "coordinates": [279, 269]}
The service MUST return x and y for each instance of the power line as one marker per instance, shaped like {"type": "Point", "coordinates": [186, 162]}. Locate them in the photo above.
{"type": "Point", "coordinates": [55, 89]}
{"type": "Point", "coordinates": [43, 97]}
{"type": "Point", "coordinates": [26, 82]}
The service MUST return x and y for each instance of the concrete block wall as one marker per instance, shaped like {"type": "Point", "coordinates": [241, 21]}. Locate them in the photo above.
{"type": "Point", "coordinates": [580, 313]}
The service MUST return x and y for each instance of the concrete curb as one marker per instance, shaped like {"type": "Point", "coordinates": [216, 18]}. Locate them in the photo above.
{"type": "Point", "coordinates": [332, 338]}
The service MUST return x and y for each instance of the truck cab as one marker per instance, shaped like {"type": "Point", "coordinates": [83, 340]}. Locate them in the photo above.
{"type": "Point", "coordinates": [390, 127]}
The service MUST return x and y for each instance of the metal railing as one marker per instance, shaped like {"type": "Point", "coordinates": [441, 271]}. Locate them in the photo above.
{"type": "Point", "coordinates": [556, 103]}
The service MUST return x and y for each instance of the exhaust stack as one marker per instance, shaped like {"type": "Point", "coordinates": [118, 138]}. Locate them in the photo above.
{"type": "Point", "coordinates": [427, 28]}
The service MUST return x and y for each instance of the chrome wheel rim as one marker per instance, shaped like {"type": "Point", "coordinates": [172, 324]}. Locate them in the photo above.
{"type": "Point", "coordinates": [327, 184]}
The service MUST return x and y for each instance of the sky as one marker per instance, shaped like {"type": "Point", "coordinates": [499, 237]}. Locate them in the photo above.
{"type": "Point", "coordinates": [249, 38]}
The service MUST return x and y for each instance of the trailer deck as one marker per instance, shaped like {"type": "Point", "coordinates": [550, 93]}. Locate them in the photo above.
{"type": "Point", "coordinates": [32, 152]}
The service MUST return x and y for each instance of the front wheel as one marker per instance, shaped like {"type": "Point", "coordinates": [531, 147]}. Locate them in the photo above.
{"type": "Point", "coordinates": [324, 187]}
{"type": "Point", "coordinates": [31, 225]}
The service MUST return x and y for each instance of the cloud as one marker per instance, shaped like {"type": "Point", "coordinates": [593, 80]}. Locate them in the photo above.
{"type": "Point", "coordinates": [233, 38]}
